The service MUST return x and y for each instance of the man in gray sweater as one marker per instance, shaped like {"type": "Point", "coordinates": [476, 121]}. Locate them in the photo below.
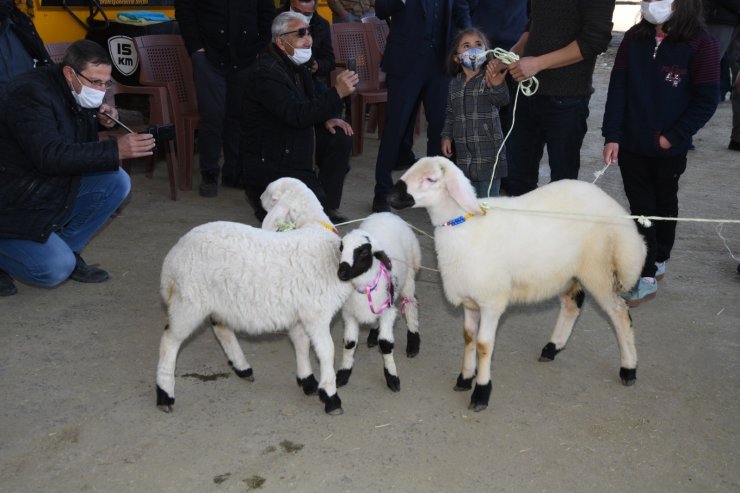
{"type": "Point", "coordinates": [559, 47]}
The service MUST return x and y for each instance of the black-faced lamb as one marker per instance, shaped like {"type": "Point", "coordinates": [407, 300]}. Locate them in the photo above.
{"type": "Point", "coordinates": [241, 278]}
{"type": "Point", "coordinates": [380, 259]}
{"type": "Point", "coordinates": [548, 242]}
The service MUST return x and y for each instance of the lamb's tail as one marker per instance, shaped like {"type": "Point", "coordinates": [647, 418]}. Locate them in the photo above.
{"type": "Point", "coordinates": [167, 290]}
{"type": "Point", "coordinates": [629, 257]}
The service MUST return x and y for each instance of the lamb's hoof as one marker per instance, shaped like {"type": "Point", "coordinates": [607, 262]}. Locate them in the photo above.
{"type": "Point", "coordinates": [463, 384]}
{"type": "Point", "coordinates": [372, 337]}
{"type": "Point", "coordinates": [308, 384]}
{"type": "Point", "coordinates": [628, 376]}
{"type": "Point", "coordinates": [164, 401]}
{"type": "Point", "coordinates": [343, 376]}
{"type": "Point", "coordinates": [245, 374]}
{"type": "Point", "coordinates": [332, 405]}
{"type": "Point", "coordinates": [549, 352]}
{"type": "Point", "coordinates": [480, 397]}
{"type": "Point", "coordinates": [393, 382]}
{"type": "Point", "coordinates": [412, 344]}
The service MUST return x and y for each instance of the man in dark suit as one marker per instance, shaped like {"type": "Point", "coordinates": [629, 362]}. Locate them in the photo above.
{"type": "Point", "coordinates": [223, 38]}
{"type": "Point", "coordinates": [414, 59]}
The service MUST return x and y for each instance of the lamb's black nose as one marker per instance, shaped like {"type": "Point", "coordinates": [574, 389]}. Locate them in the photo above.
{"type": "Point", "coordinates": [399, 197]}
{"type": "Point", "coordinates": [344, 272]}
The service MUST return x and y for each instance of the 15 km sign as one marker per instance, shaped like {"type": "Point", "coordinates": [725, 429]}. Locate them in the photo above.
{"type": "Point", "coordinates": [123, 54]}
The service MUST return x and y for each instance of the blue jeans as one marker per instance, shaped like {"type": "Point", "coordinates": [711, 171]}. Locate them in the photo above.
{"type": "Point", "coordinates": [481, 188]}
{"type": "Point", "coordinates": [50, 263]}
{"type": "Point", "coordinates": [559, 123]}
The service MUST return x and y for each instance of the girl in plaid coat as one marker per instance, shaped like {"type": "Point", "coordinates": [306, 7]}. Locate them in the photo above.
{"type": "Point", "coordinates": [476, 92]}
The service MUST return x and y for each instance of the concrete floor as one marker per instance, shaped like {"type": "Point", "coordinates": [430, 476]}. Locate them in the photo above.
{"type": "Point", "coordinates": [77, 368]}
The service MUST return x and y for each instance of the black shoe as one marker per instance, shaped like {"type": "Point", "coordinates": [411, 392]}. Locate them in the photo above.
{"type": "Point", "coordinates": [231, 182]}
{"type": "Point", "coordinates": [734, 145]}
{"type": "Point", "coordinates": [335, 216]}
{"type": "Point", "coordinates": [208, 186]}
{"type": "Point", "coordinates": [380, 204]}
{"type": "Point", "coordinates": [87, 273]}
{"type": "Point", "coordinates": [7, 287]}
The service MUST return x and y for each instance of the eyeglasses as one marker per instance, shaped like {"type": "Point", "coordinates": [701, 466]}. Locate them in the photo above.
{"type": "Point", "coordinates": [302, 32]}
{"type": "Point", "coordinates": [97, 83]}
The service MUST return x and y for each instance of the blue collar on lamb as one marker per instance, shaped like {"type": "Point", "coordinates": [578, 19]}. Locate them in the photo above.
{"type": "Point", "coordinates": [461, 219]}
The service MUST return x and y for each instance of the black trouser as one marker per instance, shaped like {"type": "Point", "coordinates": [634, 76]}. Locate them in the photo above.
{"type": "Point", "coordinates": [332, 161]}
{"type": "Point", "coordinates": [651, 185]}
{"type": "Point", "coordinates": [219, 101]}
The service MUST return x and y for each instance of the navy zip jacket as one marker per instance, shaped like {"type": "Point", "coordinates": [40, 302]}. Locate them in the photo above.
{"type": "Point", "coordinates": [48, 142]}
{"type": "Point", "coordinates": [671, 91]}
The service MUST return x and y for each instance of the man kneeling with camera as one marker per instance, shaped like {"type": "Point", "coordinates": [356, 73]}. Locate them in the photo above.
{"type": "Point", "coordinates": [58, 184]}
{"type": "Point", "coordinates": [286, 129]}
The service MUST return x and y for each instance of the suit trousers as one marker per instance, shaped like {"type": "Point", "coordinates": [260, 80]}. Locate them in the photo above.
{"type": "Point", "coordinates": [219, 95]}
{"type": "Point", "coordinates": [423, 83]}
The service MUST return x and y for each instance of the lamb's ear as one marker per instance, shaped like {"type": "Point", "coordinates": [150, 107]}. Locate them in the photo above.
{"type": "Point", "coordinates": [380, 255]}
{"type": "Point", "coordinates": [461, 190]}
{"type": "Point", "coordinates": [277, 217]}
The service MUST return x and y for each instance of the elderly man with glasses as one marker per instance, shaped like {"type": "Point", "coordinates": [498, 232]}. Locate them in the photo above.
{"type": "Point", "coordinates": [58, 183]}
{"type": "Point", "coordinates": [286, 129]}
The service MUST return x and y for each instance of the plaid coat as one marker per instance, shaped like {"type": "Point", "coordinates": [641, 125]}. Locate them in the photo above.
{"type": "Point", "coordinates": [473, 123]}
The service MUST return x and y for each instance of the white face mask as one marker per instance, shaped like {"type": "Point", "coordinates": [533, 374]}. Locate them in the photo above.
{"type": "Point", "coordinates": [88, 97]}
{"type": "Point", "coordinates": [657, 12]}
{"type": "Point", "coordinates": [300, 55]}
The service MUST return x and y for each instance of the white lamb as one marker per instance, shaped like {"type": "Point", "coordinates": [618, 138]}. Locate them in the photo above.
{"type": "Point", "coordinates": [380, 259]}
{"type": "Point", "coordinates": [524, 249]}
{"type": "Point", "coordinates": [250, 280]}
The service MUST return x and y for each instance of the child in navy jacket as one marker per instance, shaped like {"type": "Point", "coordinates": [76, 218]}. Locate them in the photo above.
{"type": "Point", "coordinates": [664, 87]}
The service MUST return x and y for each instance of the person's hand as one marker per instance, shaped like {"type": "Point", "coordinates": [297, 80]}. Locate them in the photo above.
{"type": "Point", "coordinates": [103, 112]}
{"type": "Point", "coordinates": [346, 82]}
{"type": "Point", "coordinates": [524, 68]}
{"type": "Point", "coordinates": [664, 143]}
{"type": "Point", "coordinates": [495, 73]}
{"type": "Point", "coordinates": [135, 145]}
{"type": "Point", "coordinates": [314, 67]}
{"type": "Point", "coordinates": [611, 152]}
{"type": "Point", "coordinates": [334, 123]}
{"type": "Point", "coordinates": [446, 147]}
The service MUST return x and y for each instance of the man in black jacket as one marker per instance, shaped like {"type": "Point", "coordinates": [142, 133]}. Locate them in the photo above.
{"type": "Point", "coordinates": [58, 184]}
{"type": "Point", "coordinates": [322, 54]}
{"type": "Point", "coordinates": [21, 47]}
{"type": "Point", "coordinates": [223, 38]}
{"type": "Point", "coordinates": [284, 125]}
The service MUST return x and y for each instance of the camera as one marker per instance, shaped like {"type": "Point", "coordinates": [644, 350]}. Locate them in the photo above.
{"type": "Point", "coordinates": [163, 132]}
{"type": "Point", "coordinates": [352, 64]}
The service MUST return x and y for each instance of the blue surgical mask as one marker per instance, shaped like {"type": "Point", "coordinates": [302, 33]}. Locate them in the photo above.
{"type": "Point", "coordinates": [472, 58]}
